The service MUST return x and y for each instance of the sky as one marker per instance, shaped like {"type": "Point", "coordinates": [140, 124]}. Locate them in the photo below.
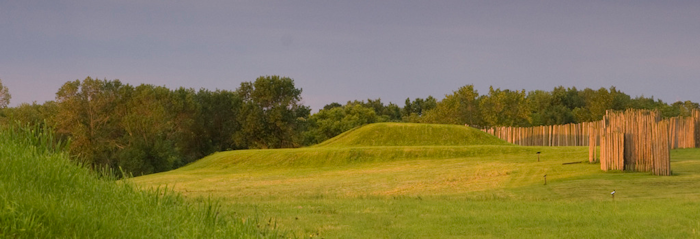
{"type": "Point", "coordinates": [338, 51]}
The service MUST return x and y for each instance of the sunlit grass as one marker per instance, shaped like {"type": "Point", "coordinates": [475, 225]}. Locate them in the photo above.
{"type": "Point", "coordinates": [428, 176]}
{"type": "Point", "coordinates": [487, 191]}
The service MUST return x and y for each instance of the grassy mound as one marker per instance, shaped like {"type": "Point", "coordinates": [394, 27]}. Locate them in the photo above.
{"type": "Point", "coordinates": [44, 195]}
{"type": "Point", "coordinates": [406, 134]}
{"type": "Point", "coordinates": [375, 143]}
{"type": "Point", "coordinates": [338, 157]}
{"type": "Point", "coordinates": [383, 171]}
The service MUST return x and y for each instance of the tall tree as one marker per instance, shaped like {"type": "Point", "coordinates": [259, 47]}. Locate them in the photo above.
{"type": "Point", "coordinates": [148, 144]}
{"type": "Point", "coordinates": [599, 102]}
{"type": "Point", "coordinates": [413, 110]}
{"type": "Point", "coordinates": [4, 95]}
{"type": "Point", "coordinates": [216, 120]}
{"type": "Point", "coordinates": [460, 107]}
{"type": "Point", "coordinates": [685, 108]}
{"type": "Point", "coordinates": [390, 113]}
{"type": "Point", "coordinates": [89, 112]}
{"type": "Point", "coordinates": [184, 108]}
{"type": "Point", "coordinates": [271, 113]}
{"type": "Point", "coordinates": [385, 113]}
{"type": "Point", "coordinates": [555, 107]}
{"type": "Point", "coordinates": [504, 108]}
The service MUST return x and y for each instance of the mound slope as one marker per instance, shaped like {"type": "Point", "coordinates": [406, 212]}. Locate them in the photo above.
{"type": "Point", "coordinates": [410, 134]}
{"type": "Point", "coordinates": [382, 142]}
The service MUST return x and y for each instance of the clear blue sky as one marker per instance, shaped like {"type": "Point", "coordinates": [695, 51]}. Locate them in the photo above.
{"type": "Point", "coordinates": [344, 50]}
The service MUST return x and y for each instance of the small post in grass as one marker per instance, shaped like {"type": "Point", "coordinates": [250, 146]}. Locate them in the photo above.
{"type": "Point", "coordinates": [538, 156]}
{"type": "Point", "coordinates": [613, 195]}
{"type": "Point", "coordinates": [545, 179]}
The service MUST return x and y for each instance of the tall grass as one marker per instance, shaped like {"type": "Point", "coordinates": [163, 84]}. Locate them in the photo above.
{"type": "Point", "coordinates": [44, 195]}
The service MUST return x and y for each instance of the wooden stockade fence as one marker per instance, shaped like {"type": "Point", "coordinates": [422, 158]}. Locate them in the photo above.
{"type": "Point", "coordinates": [612, 150]}
{"type": "Point", "coordinates": [683, 131]}
{"type": "Point", "coordinates": [696, 116]}
{"type": "Point", "coordinates": [594, 139]}
{"type": "Point", "coordinates": [552, 135]}
{"type": "Point", "coordinates": [633, 140]}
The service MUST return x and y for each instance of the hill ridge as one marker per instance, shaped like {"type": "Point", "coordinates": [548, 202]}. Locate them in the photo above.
{"type": "Point", "coordinates": [411, 134]}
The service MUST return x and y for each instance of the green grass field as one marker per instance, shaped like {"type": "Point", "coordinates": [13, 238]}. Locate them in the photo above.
{"type": "Point", "coordinates": [44, 195]}
{"type": "Point", "coordinates": [440, 181]}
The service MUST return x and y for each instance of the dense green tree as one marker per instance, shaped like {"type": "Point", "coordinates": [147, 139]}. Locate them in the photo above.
{"type": "Point", "coordinates": [216, 121]}
{"type": "Point", "coordinates": [89, 113]}
{"type": "Point", "coordinates": [599, 103]}
{"type": "Point", "coordinates": [332, 105]}
{"type": "Point", "coordinates": [390, 113]}
{"type": "Point", "coordinates": [386, 113]}
{"type": "Point", "coordinates": [603, 100]}
{"type": "Point", "coordinates": [539, 101]}
{"type": "Point", "coordinates": [333, 120]}
{"type": "Point", "coordinates": [621, 101]}
{"type": "Point", "coordinates": [271, 113]}
{"type": "Point", "coordinates": [504, 108]}
{"type": "Point", "coordinates": [329, 123]}
{"type": "Point", "coordinates": [413, 110]}
{"type": "Point", "coordinates": [428, 104]}
{"type": "Point", "coordinates": [4, 95]}
{"type": "Point", "coordinates": [184, 108]}
{"type": "Point", "coordinates": [583, 114]}
{"type": "Point", "coordinates": [555, 107]}
{"type": "Point", "coordinates": [148, 144]}
{"type": "Point", "coordinates": [32, 114]}
{"type": "Point", "coordinates": [685, 108]}
{"type": "Point", "coordinates": [148, 129]}
{"type": "Point", "coordinates": [460, 107]}
{"type": "Point", "coordinates": [570, 98]}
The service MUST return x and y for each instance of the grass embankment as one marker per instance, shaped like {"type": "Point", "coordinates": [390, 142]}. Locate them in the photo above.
{"type": "Point", "coordinates": [44, 195]}
{"type": "Point", "coordinates": [409, 134]}
{"type": "Point", "coordinates": [371, 190]}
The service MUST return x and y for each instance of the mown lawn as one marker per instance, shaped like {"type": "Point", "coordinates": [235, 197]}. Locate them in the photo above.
{"type": "Point", "coordinates": [494, 191]}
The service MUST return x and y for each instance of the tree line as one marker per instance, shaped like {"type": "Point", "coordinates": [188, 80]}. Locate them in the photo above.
{"type": "Point", "coordinates": [536, 108]}
{"type": "Point", "coordinates": [146, 129]}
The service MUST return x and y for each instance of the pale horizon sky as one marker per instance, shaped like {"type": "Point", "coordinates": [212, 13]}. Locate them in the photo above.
{"type": "Point", "coordinates": [346, 50]}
